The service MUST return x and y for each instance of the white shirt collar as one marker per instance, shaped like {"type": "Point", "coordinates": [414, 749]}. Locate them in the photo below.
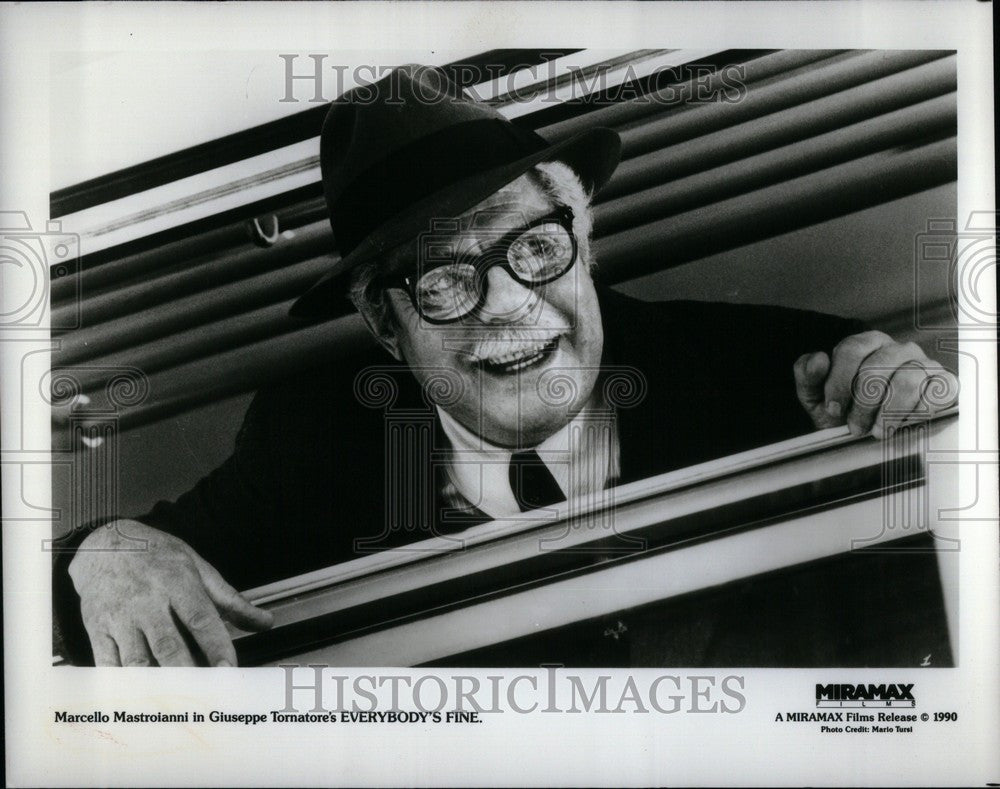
{"type": "Point", "coordinates": [480, 470]}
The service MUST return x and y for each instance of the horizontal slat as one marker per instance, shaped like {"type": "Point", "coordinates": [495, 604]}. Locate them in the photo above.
{"type": "Point", "coordinates": [524, 85]}
{"type": "Point", "coordinates": [781, 128]}
{"type": "Point", "coordinates": [776, 209]}
{"type": "Point", "coordinates": [664, 97]}
{"type": "Point", "coordinates": [601, 79]}
{"type": "Point", "coordinates": [197, 276]}
{"type": "Point", "coordinates": [909, 124]}
{"type": "Point", "coordinates": [155, 260]}
{"type": "Point", "coordinates": [198, 325]}
{"type": "Point", "coordinates": [201, 342]}
{"type": "Point", "coordinates": [244, 369]}
{"type": "Point", "coordinates": [192, 312]}
{"type": "Point", "coordinates": [778, 93]}
{"type": "Point", "coordinates": [146, 263]}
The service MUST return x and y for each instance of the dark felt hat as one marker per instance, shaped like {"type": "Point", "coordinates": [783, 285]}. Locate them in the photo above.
{"type": "Point", "coordinates": [409, 149]}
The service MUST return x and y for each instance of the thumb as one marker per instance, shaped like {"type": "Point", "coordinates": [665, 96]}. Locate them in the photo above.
{"type": "Point", "coordinates": [233, 606]}
{"type": "Point", "coordinates": [811, 370]}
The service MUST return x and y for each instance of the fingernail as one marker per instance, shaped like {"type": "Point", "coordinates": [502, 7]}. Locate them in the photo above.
{"type": "Point", "coordinates": [224, 664]}
{"type": "Point", "coordinates": [833, 409]}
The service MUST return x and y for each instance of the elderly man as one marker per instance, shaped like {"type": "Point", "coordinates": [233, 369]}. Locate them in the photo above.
{"type": "Point", "coordinates": [464, 245]}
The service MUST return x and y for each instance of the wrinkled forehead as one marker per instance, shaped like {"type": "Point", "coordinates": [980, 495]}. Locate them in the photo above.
{"type": "Point", "coordinates": [513, 206]}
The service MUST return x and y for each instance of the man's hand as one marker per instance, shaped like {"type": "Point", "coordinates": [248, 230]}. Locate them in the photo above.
{"type": "Point", "coordinates": [155, 603]}
{"type": "Point", "coordinates": [872, 382]}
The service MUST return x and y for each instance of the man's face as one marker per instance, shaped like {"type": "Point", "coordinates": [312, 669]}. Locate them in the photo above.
{"type": "Point", "coordinates": [527, 359]}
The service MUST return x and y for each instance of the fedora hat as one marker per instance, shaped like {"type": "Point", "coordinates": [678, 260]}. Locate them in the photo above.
{"type": "Point", "coordinates": [410, 148]}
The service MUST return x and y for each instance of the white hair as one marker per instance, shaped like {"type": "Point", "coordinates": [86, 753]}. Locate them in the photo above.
{"type": "Point", "coordinates": [555, 179]}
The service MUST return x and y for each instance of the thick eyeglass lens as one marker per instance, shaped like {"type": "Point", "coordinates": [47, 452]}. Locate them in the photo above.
{"type": "Point", "coordinates": [448, 291]}
{"type": "Point", "coordinates": [451, 291]}
{"type": "Point", "coordinates": [542, 252]}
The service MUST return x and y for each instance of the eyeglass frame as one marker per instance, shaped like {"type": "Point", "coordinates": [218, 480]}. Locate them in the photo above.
{"type": "Point", "coordinates": [490, 257]}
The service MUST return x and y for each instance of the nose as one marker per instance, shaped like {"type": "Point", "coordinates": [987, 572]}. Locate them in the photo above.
{"type": "Point", "coordinates": [507, 300]}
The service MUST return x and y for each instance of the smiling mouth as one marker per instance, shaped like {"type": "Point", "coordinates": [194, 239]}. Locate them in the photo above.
{"type": "Point", "coordinates": [519, 359]}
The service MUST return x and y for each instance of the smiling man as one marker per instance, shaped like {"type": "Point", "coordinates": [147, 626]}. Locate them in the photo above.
{"type": "Point", "coordinates": [465, 245]}
{"type": "Point", "coordinates": [507, 302]}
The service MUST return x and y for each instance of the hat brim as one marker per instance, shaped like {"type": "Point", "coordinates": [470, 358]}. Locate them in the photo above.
{"type": "Point", "coordinates": [592, 154]}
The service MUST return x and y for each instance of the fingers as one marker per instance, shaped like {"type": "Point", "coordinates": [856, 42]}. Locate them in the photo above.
{"type": "Point", "coordinates": [890, 384]}
{"type": "Point", "coordinates": [810, 376]}
{"type": "Point", "coordinates": [197, 613]}
{"type": "Point", "coordinates": [156, 637]}
{"type": "Point", "coordinates": [158, 606]}
{"type": "Point", "coordinates": [873, 383]}
{"type": "Point", "coordinates": [105, 649]}
{"type": "Point", "coordinates": [231, 604]}
{"type": "Point", "coordinates": [940, 389]}
{"type": "Point", "coordinates": [877, 382]}
{"type": "Point", "coordinates": [167, 644]}
{"type": "Point", "coordinates": [916, 391]}
{"type": "Point", "coordinates": [132, 648]}
{"type": "Point", "coordinates": [848, 357]}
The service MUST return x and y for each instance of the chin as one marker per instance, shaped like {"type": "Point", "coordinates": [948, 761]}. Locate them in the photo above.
{"type": "Point", "coordinates": [537, 423]}
{"type": "Point", "coordinates": [548, 398]}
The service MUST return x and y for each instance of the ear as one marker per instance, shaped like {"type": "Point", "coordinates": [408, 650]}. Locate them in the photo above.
{"type": "Point", "coordinates": [382, 328]}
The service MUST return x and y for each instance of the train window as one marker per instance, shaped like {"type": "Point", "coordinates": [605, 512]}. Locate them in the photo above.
{"type": "Point", "coordinates": [758, 268]}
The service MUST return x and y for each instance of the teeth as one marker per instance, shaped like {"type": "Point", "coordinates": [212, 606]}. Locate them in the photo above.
{"type": "Point", "coordinates": [526, 362]}
{"type": "Point", "coordinates": [520, 358]}
{"type": "Point", "coordinates": [520, 353]}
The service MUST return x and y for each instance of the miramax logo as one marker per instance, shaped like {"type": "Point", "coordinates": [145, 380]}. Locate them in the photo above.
{"type": "Point", "coordinates": [844, 695]}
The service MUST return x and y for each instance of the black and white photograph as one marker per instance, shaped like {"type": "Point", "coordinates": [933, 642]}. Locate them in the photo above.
{"type": "Point", "coordinates": [531, 277]}
{"type": "Point", "coordinates": [645, 374]}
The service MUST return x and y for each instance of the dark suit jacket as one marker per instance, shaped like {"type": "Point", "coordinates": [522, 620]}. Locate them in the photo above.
{"type": "Point", "coordinates": [307, 476]}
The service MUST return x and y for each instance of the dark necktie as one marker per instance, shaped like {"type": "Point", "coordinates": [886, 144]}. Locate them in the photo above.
{"type": "Point", "coordinates": [532, 482]}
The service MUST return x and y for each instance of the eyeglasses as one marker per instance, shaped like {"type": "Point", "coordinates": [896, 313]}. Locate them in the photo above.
{"type": "Point", "coordinates": [447, 287]}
